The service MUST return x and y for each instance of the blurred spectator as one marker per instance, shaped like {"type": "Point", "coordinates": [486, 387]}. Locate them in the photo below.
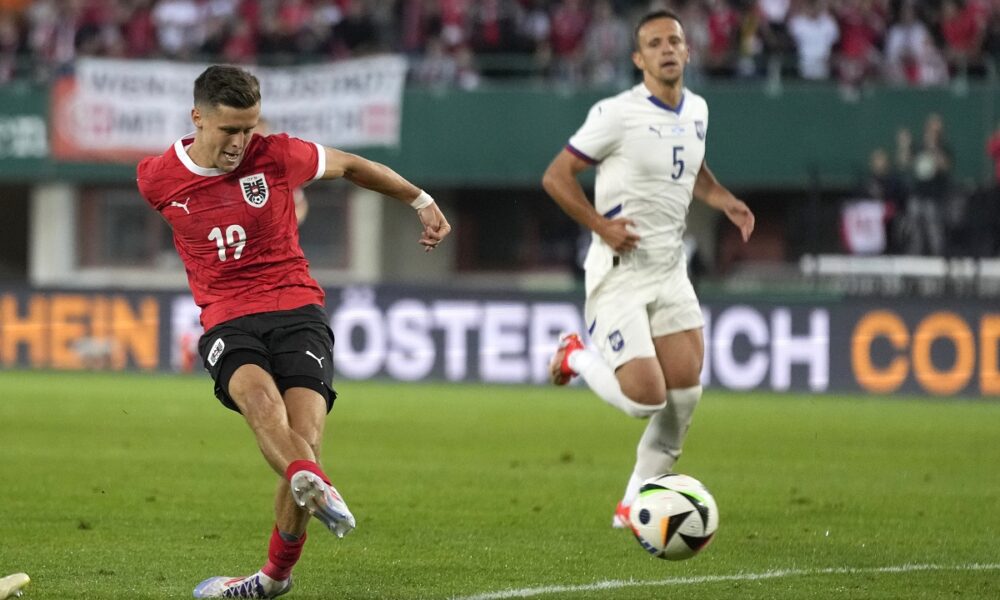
{"type": "Point", "coordinates": [241, 46]}
{"type": "Point", "coordinates": [178, 26]}
{"type": "Point", "coordinates": [991, 41]}
{"type": "Point", "coordinates": [607, 47]}
{"type": "Point", "coordinates": [575, 41]}
{"type": "Point", "coordinates": [862, 26]}
{"type": "Point", "coordinates": [775, 26]}
{"type": "Point", "coordinates": [494, 26]}
{"type": "Point", "coordinates": [52, 36]}
{"type": "Point", "coordinates": [932, 68]}
{"type": "Point", "coordinates": [569, 25]}
{"type": "Point", "coordinates": [723, 27]}
{"type": "Point", "coordinates": [962, 32]}
{"type": "Point", "coordinates": [887, 185]}
{"type": "Point", "coordinates": [925, 214]}
{"type": "Point", "coordinates": [454, 21]}
{"type": "Point", "coordinates": [814, 31]}
{"type": "Point", "coordinates": [10, 47]}
{"type": "Point", "coordinates": [356, 33]}
{"type": "Point", "coordinates": [468, 74]}
{"type": "Point", "coordinates": [436, 68]}
{"type": "Point", "coordinates": [139, 29]}
{"type": "Point", "coordinates": [750, 42]}
{"type": "Point", "coordinates": [905, 43]}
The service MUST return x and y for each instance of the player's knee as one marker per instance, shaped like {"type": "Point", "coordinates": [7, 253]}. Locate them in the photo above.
{"type": "Point", "coordinates": [645, 402]}
{"type": "Point", "coordinates": [643, 411]}
{"type": "Point", "coordinates": [259, 406]}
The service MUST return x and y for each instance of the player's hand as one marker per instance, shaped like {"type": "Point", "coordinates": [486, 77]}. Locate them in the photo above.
{"type": "Point", "coordinates": [739, 213]}
{"type": "Point", "coordinates": [617, 234]}
{"type": "Point", "coordinates": [436, 227]}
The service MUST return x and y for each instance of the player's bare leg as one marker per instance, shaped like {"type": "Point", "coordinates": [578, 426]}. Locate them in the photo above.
{"type": "Point", "coordinates": [306, 411]}
{"type": "Point", "coordinates": [636, 391]}
{"type": "Point", "coordinates": [679, 357]}
{"type": "Point", "coordinates": [255, 393]}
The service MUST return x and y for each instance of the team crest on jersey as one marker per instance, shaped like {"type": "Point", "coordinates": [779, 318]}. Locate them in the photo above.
{"type": "Point", "coordinates": [699, 128]}
{"type": "Point", "coordinates": [254, 188]}
{"type": "Point", "coordinates": [616, 340]}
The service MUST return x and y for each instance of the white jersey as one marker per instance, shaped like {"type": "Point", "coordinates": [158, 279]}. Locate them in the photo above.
{"type": "Point", "coordinates": [648, 156]}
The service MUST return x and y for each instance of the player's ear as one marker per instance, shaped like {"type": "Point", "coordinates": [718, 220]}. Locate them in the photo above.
{"type": "Point", "coordinates": [196, 117]}
{"type": "Point", "coordinates": [637, 59]}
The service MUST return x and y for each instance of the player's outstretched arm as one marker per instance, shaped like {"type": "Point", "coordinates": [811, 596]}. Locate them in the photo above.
{"type": "Point", "coordinates": [562, 185]}
{"type": "Point", "coordinates": [708, 189]}
{"type": "Point", "coordinates": [380, 178]}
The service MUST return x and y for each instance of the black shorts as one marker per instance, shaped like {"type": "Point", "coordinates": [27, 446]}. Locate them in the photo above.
{"type": "Point", "coordinates": [294, 346]}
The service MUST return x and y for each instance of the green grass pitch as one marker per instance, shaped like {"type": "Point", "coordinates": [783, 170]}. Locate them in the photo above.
{"type": "Point", "coordinates": [139, 486]}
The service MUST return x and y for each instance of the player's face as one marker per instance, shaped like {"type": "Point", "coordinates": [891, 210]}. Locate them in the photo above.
{"type": "Point", "coordinates": [223, 133]}
{"type": "Point", "coordinates": [662, 52]}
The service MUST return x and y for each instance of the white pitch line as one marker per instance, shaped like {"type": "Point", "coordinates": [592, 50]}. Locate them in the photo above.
{"type": "Point", "coordinates": [616, 584]}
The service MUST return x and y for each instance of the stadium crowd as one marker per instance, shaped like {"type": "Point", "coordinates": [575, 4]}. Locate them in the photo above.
{"type": "Point", "coordinates": [463, 42]}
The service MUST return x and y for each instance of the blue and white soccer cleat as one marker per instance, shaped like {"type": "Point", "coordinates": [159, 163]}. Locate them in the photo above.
{"type": "Point", "coordinates": [323, 502]}
{"type": "Point", "coordinates": [13, 586]}
{"type": "Point", "coordinates": [257, 585]}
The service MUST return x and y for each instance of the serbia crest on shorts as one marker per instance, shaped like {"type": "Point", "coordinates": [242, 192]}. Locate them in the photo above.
{"type": "Point", "coordinates": [254, 188]}
{"type": "Point", "coordinates": [616, 340]}
{"type": "Point", "coordinates": [699, 128]}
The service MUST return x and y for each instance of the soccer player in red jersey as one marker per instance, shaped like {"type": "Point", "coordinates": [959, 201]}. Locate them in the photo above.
{"type": "Point", "coordinates": [227, 195]}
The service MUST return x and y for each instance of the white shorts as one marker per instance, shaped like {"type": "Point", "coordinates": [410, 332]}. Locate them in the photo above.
{"type": "Point", "coordinates": [633, 305]}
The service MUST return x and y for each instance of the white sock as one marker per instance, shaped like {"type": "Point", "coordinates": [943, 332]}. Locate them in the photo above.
{"type": "Point", "coordinates": [631, 490]}
{"type": "Point", "coordinates": [601, 379]}
{"type": "Point", "coordinates": [662, 442]}
{"type": "Point", "coordinates": [270, 585]}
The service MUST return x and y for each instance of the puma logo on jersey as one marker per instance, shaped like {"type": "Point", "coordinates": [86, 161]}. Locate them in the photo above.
{"type": "Point", "coordinates": [656, 129]}
{"type": "Point", "coordinates": [318, 359]}
{"type": "Point", "coordinates": [184, 206]}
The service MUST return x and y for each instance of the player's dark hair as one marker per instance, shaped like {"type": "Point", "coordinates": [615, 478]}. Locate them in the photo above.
{"type": "Point", "coordinates": [659, 14]}
{"type": "Point", "coordinates": [228, 86]}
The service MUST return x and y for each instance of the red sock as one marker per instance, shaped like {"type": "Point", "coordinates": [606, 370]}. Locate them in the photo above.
{"type": "Point", "coordinates": [282, 556]}
{"type": "Point", "coordinates": [305, 465]}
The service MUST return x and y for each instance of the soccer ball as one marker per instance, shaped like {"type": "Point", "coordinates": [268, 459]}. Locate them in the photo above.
{"type": "Point", "coordinates": [674, 517]}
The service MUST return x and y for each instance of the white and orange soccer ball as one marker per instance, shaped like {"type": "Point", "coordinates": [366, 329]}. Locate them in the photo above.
{"type": "Point", "coordinates": [674, 517]}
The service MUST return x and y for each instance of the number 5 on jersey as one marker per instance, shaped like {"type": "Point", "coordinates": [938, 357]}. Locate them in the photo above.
{"type": "Point", "coordinates": [235, 238]}
{"type": "Point", "coordinates": [678, 164]}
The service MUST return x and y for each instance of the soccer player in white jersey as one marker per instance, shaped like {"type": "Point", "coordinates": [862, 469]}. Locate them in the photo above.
{"type": "Point", "coordinates": [644, 320]}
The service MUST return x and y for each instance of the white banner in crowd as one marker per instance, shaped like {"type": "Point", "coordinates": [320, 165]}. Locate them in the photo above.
{"type": "Point", "coordinates": [122, 106]}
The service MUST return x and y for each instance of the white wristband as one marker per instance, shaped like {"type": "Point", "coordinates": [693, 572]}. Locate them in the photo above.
{"type": "Point", "coordinates": [422, 201]}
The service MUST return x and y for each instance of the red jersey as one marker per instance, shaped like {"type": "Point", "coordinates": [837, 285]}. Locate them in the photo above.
{"type": "Point", "coordinates": [236, 232]}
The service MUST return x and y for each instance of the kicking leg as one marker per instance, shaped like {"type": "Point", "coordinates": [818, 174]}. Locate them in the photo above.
{"type": "Point", "coordinates": [636, 388]}
{"type": "Point", "coordinates": [304, 412]}
{"type": "Point", "coordinates": [254, 392]}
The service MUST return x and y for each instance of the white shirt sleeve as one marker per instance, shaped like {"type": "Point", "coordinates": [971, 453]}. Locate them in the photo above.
{"type": "Point", "coordinates": [599, 135]}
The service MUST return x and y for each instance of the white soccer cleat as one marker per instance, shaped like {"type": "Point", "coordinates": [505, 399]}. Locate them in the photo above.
{"type": "Point", "coordinates": [13, 586]}
{"type": "Point", "coordinates": [323, 502]}
{"type": "Point", "coordinates": [257, 585]}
